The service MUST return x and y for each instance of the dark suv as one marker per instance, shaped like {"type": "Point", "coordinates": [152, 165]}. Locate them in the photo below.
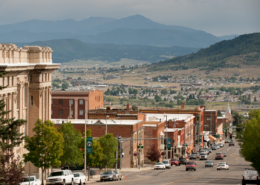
{"type": "Point", "coordinates": [182, 161]}
{"type": "Point", "coordinates": [191, 165]}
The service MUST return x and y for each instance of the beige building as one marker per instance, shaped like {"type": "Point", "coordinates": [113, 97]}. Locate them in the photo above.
{"type": "Point", "coordinates": [28, 81]}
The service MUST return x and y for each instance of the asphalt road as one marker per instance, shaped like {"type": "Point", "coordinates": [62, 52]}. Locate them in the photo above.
{"type": "Point", "coordinates": [179, 175]}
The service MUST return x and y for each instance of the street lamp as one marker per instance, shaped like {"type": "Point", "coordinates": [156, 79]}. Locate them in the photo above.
{"type": "Point", "coordinates": [106, 123]}
{"type": "Point", "coordinates": [85, 163]}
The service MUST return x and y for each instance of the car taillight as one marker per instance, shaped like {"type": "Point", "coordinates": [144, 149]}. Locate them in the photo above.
{"type": "Point", "coordinates": [243, 177]}
{"type": "Point", "coordinates": [257, 177]}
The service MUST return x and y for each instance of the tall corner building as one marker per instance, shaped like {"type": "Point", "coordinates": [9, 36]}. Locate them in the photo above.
{"type": "Point", "coordinates": [28, 81]}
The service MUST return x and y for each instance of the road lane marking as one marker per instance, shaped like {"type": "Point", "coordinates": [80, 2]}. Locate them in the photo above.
{"type": "Point", "coordinates": [180, 181]}
{"type": "Point", "coordinates": [237, 158]}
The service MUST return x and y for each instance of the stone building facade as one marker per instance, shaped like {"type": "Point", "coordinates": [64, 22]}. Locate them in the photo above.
{"type": "Point", "coordinates": [28, 81]}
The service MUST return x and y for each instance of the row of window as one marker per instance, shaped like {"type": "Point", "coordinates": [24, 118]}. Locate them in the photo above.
{"type": "Point", "coordinates": [81, 102]}
{"type": "Point", "coordinates": [81, 112]}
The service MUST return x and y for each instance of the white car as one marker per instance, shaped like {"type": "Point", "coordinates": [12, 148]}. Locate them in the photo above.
{"type": "Point", "coordinates": [222, 165]}
{"type": "Point", "coordinates": [203, 156]}
{"type": "Point", "coordinates": [167, 164]}
{"type": "Point", "coordinates": [159, 166]}
{"type": "Point", "coordinates": [250, 176]}
{"type": "Point", "coordinates": [79, 178]}
{"type": "Point", "coordinates": [33, 181]}
{"type": "Point", "coordinates": [60, 177]}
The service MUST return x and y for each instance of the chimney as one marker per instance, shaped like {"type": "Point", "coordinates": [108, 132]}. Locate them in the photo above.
{"type": "Point", "coordinates": [108, 108]}
{"type": "Point", "coordinates": [127, 107]}
{"type": "Point", "coordinates": [182, 105]}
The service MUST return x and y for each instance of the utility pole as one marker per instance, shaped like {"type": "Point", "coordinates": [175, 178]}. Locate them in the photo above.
{"type": "Point", "coordinates": [117, 150]}
{"type": "Point", "coordinates": [106, 123]}
{"type": "Point", "coordinates": [120, 154]}
{"type": "Point", "coordinates": [85, 146]}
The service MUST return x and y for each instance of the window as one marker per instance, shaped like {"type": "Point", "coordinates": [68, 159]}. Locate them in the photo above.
{"type": "Point", "coordinates": [71, 112]}
{"type": "Point", "coordinates": [81, 112]}
{"type": "Point", "coordinates": [51, 112]}
{"type": "Point", "coordinates": [60, 102]}
{"type": "Point", "coordinates": [51, 101]}
{"type": "Point", "coordinates": [208, 118]}
{"type": "Point", "coordinates": [30, 78]}
{"type": "Point", "coordinates": [7, 81]}
{"type": "Point", "coordinates": [60, 112]}
{"type": "Point", "coordinates": [81, 102]}
{"type": "Point", "coordinates": [31, 100]}
{"type": "Point", "coordinates": [70, 102]}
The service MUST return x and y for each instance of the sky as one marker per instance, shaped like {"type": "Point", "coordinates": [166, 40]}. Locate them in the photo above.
{"type": "Point", "coordinates": [218, 17]}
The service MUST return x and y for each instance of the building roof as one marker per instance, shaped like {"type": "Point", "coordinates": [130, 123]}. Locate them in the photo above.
{"type": "Point", "coordinates": [96, 121]}
{"type": "Point", "coordinates": [162, 117]}
{"type": "Point", "coordinates": [228, 110]}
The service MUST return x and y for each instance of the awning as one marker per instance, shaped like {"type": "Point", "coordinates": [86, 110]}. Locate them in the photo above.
{"type": "Point", "coordinates": [213, 138]}
{"type": "Point", "coordinates": [217, 136]}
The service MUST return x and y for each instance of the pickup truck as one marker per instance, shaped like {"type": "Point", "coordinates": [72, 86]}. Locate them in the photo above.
{"type": "Point", "coordinates": [61, 177]}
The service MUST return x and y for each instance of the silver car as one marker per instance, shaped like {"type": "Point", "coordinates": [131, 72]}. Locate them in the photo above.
{"type": "Point", "coordinates": [160, 166]}
{"type": "Point", "coordinates": [208, 163]}
{"type": "Point", "coordinates": [118, 175]}
{"type": "Point", "coordinates": [167, 164]}
{"type": "Point", "coordinates": [203, 156]}
{"type": "Point", "coordinates": [108, 175]}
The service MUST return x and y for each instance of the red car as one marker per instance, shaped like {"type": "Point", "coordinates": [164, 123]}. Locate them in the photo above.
{"type": "Point", "coordinates": [219, 156]}
{"type": "Point", "coordinates": [175, 162]}
{"type": "Point", "coordinates": [191, 165]}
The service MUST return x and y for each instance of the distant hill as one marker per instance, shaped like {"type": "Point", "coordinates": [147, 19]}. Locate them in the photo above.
{"type": "Point", "coordinates": [66, 50]}
{"type": "Point", "coordinates": [132, 30]}
{"type": "Point", "coordinates": [243, 50]}
{"type": "Point", "coordinates": [228, 37]}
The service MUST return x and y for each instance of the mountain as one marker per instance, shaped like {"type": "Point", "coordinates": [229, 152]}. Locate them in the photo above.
{"type": "Point", "coordinates": [155, 37]}
{"type": "Point", "coordinates": [132, 30]}
{"type": "Point", "coordinates": [243, 50]}
{"type": "Point", "coordinates": [66, 50]}
{"type": "Point", "coordinates": [228, 37]}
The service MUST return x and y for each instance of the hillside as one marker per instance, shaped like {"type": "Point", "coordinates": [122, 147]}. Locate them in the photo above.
{"type": "Point", "coordinates": [243, 50]}
{"type": "Point", "coordinates": [66, 50]}
{"type": "Point", "coordinates": [132, 30]}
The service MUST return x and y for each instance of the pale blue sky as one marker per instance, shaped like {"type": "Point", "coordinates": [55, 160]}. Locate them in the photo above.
{"type": "Point", "coordinates": [219, 17]}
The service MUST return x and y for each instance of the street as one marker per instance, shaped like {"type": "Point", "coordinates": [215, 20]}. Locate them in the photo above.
{"type": "Point", "coordinates": [203, 175]}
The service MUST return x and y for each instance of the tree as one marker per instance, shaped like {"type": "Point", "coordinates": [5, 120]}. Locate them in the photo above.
{"type": "Point", "coordinates": [164, 91]}
{"type": "Point", "coordinates": [65, 86]}
{"type": "Point", "coordinates": [219, 113]}
{"type": "Point", "coordinates": [71, 152]}
{"type": "Point", "coordinates": [11, 170]}
{"type": "Point", "coordinates": [249, 139]}
{"type": "Point", "coordinates": [44, 148]}
{"type": "Point", "coordinates": [157, 98]}
{"type": "Point", "coordinates": [108, 144]}
{"type": "Point", "coordinates": [95, 158]}
{"type": "Point", "coordinates": [153, 153]}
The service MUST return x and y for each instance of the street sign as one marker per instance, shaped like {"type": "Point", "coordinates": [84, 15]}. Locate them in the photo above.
{"type": "Point", "coordinates": [89, 145]}
{"type": "Point", "coordinates": [169, 143]}
{"type": "Point", "coordinates": [140, 146]}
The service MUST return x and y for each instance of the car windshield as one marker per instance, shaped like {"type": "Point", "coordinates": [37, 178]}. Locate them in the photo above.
{"type": "Point", "coordinates": [221, 163]}
{"type": "Point", "coordinates": [224, 152]}
{"type": "Point", "coordinates": [208, 161]}
{"type": "Point", "coordinates": [107, 173]}
{"type": "Point", "coordinates": [76, 175]}
{"type": "Point", "coordinates": [56, 174]}
{"type": "Point", "coordinates": [190, 163]}
{"type": "Point", "coordinates": [159, 163]}
{"type": "Point", "coordinates": [202, 154]}
{"type": "Point", "coordinates": [218, 153]}
{"type": "Point", "coordinates": [166, 162]}
{"type": "Point", "coordinates": [174, 160]}
{"type": "Point", "coordinates": [27, 179]}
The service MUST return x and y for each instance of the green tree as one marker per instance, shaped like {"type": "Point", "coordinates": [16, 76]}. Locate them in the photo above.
{"type": "Point", "coordinates": [71, 152]}
{"type": "Point", "coordinates": [65, 86]}
{"type": "Point", "coordinates": [219, 113]}
{"type": "Point", "coordinates": [108, 144]}
{"type": "Point", "coordinates": [44, 148]}
{"type": "Point", "coordinates": [249, 139]}
{"type": "Point", "coordinates": [157, 98]}
{"type": "Point", "coordinates": [164, 91]}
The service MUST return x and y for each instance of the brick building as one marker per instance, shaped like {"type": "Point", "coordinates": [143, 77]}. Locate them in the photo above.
{"type": "Point", "coordinates": [64, 102]}
{"type": "Point", "coordinates": [127, 129]}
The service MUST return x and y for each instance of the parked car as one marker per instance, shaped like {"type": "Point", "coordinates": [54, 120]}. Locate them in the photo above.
{"type": "Point", "coordinates": [227, 141]}
{"type": "Point", "coordinates": [182, 161]}
{"type": "Point", "coordinates": [191, 165]}
{"type": "Point", "coordinates": [167, 164]}
{"type": "Point", "coordinates": [108, 175]}
{"type": "Point", "coordinates": [79, 178]}
{"type": "Point", "coordinates": [219, 156]}
{"type": "Point", "coordinates": [159, 166]}
{"type": "Point", "coordinates": [231, 143]}
{"type": "Point", "coordinates": [208, 163]}
{"type": "Point", "coordinates": [203, 156]}
{"type": "Point", "coordinates": [118, 175]}
{"type": "Point", "coordinates": [60, 177]}
{"type": "Point", "coordinates": [222, 165]}
{"type": "Point", "coordinates": [221, 145]}
{"type": "Point", "coordinates": [175, 162]}
{"type": "Point", "coordinates": [209, 149]}
{"type": "Point", "coordinates": [193, 156]}
{"type": "Point", "coordinates": [250, 176]}
{"type": "Point", "coordinates": [33, 180]}
{"type": "Point", "coordinates": [225, 154]}
{"type": "Point", "coordinates": [215, 147]}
